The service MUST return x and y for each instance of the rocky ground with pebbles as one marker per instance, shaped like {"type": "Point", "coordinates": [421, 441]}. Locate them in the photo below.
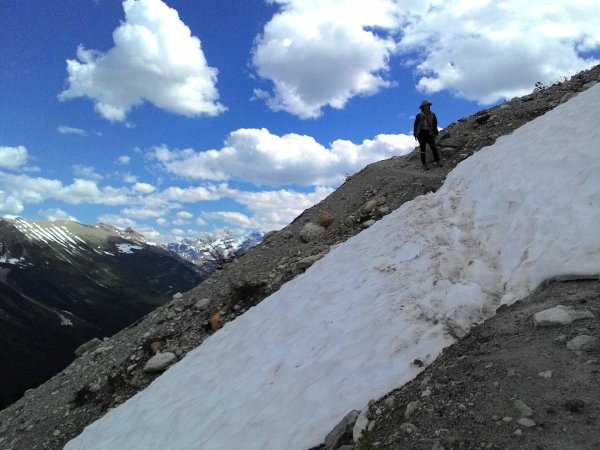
{"type": "Point", "coordinates": [108, 371]}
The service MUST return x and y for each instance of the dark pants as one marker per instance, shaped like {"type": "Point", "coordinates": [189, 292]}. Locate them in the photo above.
{"type": "Point", "coordinates": [425, 138]}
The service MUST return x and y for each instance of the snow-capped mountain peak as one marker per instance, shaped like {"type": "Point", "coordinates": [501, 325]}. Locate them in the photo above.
{"type": "Point", "coordinates": [205, 250]}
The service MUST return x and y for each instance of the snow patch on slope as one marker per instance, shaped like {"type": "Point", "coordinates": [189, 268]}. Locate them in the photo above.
{"type": "Point", "coordinates": [20, 262]}
{"type": "Point", "coordinates": [128, 248]}
{"type": "Point", "coordinates": [64, 321]}
{"type": "Point", "coordinates": [48, 233]}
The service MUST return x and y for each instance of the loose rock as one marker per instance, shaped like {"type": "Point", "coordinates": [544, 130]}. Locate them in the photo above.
{"type": "Point", "coordinates": [411, 408]}
{"type": "Point", "coordinates": [524, 410]}
{"type": "Point", "coordinates": [361, 424]}
{"type": "Point", "coordinates": [202, 304]}
{"type": "Point", "coordinates": [216, 322]}
{"type": "Point", "coordinates": [160, 362]}
{"type": "Point", "coordinates": [305, 263]}
{"type": "Point", "coordinates": [311, 232]}
{"type": "Point", "coordinates": [343, 428]}
{"type": "Point", "coordinates": [560, 315]}
{"type": "Point", "coordinates": [325, 219]}
{"type": "Point", "coordinates": [368, 223]}
{"type": "Point", "coordinates": [88, 346]}
{"type": "Point", "coordinates": [526, 422]}
{"type": "Point", "coordinates": [583, 342]}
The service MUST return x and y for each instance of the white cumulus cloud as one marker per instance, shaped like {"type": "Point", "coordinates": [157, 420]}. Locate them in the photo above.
{"type": "Point", "coordinates": [143, 213]}
{"type": "Point", "coordinates": [272, 210]}
{"type": "Point", "coordinates": [86, 172]}
{"type": "Point", "coordinates": [10, 205]}
{"type": "Point", "coordinates": [491, 50]}
{"type": "Point", "coordinates": [262, 158]}
{"type": "Point", "coordinates": [129, 178]}
{"type": "Point", "coordinates": [118, 221]}
{"type": "Point", "coordinates": [321, 53]}
{"type": "Point", "coordinates": [155, 58]}
{"type": "Point", "coordinates": [64, 129]}
{"type": "Point", "coordinates": [191, 194]}
{"type": "Point", "coordinates": [53, 214]}
{"type": "Point", "coordinates": [146, 202]}
{"type": "Point", "coordinates": [23, 189]}
{"type": "Point", "coordinates": [185, 215]}
{"type": "Point", "coordinates": [143, 188]}
{"type": "Point", "coordinates": [234, 218]}
{"type": "Point", "coordinates": [12, 157]}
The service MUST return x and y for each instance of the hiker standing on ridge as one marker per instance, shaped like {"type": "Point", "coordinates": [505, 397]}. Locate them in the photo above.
{"type": "Point", "coordinates": [425, 130]}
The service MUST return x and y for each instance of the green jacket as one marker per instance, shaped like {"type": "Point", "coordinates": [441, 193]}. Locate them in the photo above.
{"type": "Point", "coordinates": [433, 129]}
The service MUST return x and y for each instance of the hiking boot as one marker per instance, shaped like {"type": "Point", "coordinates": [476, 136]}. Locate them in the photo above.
{"type": "Point", "coordinates": [425, 166]}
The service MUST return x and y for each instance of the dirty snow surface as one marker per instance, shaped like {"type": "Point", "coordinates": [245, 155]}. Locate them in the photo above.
{"type": "Point", "coordinates": [283, 374]}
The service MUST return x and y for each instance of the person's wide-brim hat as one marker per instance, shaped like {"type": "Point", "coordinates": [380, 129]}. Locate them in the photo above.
{"type": "Point", "coordinates": [425, 103]}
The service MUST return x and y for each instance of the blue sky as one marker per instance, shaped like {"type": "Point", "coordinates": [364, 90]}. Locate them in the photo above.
{"type": "Point", "coordinates": [181, 117]}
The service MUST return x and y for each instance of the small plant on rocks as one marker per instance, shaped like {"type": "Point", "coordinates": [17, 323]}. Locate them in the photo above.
{"type": "Point", "coordinates": [365, 441]}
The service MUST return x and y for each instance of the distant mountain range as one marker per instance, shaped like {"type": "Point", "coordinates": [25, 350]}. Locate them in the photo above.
{"type": "Point", "coordinates": [210, 253]}
{"type": "Point", "coordinates": [63, 283]}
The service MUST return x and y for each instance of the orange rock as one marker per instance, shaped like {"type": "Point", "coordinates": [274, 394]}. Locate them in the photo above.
{"type": "Point", "coordinates": [325, 219]}
{"type": "Point", "coordinates": [215, 321]}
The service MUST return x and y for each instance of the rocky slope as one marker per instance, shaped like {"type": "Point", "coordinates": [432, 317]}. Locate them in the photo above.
{"type": "Point", "coordinates": [63, 283]}
{"type": "Point", "coordinates": [48, 416]}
